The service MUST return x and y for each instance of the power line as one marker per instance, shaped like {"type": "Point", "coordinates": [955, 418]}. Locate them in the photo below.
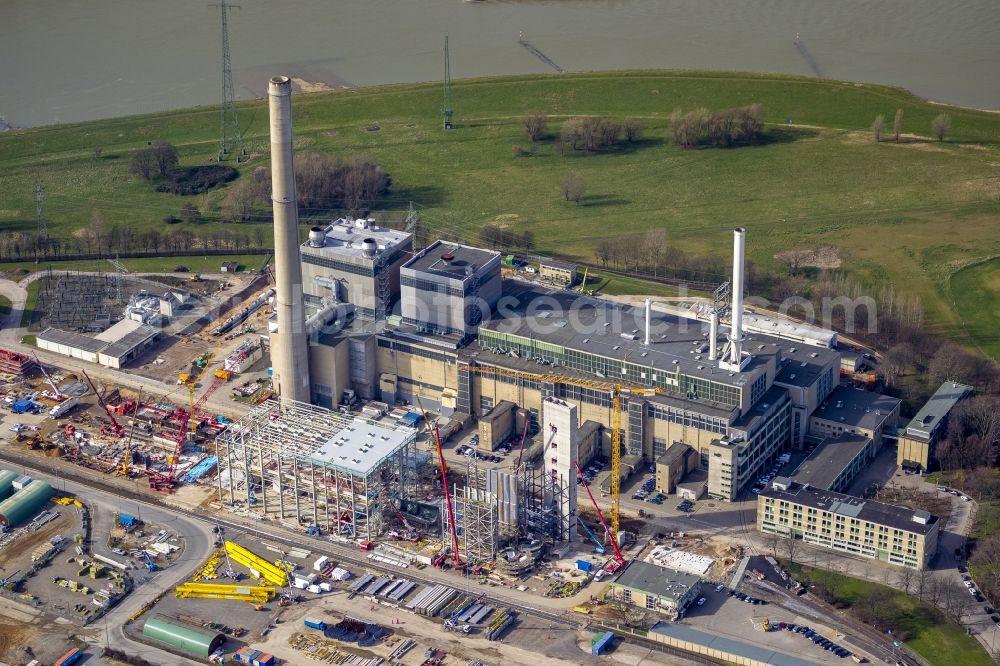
{"type": "Point", "coordinates": [446, 106]}
{"type": "Point", "coordinates": [43, 231]}
{"type": "Point", "coordinates": [230, 143]}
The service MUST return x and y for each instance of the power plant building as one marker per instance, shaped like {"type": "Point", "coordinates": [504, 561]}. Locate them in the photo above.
{"type": "Point", "coordinates": [449, 289]}
{"type": "Point", "coordinates": [354, 261]}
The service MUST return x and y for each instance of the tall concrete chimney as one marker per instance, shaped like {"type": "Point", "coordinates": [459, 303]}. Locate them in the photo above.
{"type": "Point", "coordinates": [290, 356]}
{"type": "Point", "coordinates": [736, 330]}
{"type": "Point", "coordinates": [649, 307]}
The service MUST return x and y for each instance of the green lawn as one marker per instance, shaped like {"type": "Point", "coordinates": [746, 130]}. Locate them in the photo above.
{"type": "Point", "coordinates": [976, 294]}
{"type": "Point", "coordinates": [931, 635]}
{"type": "Point", "coordinates": [5, 306]}
{"type": "Point", "coordinates": [908, 214]}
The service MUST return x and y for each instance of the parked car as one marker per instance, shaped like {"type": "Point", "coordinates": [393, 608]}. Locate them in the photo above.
{"type": "Point", "coordinates": [701, 601]}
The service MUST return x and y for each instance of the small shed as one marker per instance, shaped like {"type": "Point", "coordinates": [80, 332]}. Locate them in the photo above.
{"type": "Point", "coordinates": [230, 267]}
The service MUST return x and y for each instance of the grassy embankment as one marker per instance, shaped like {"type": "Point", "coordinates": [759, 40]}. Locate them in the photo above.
{"type": "Point", "coordinates": [929, 633]}
{"type": "Point", "coordinates": [909, 213]}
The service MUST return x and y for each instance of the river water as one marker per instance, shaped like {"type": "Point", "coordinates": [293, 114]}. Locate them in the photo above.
{"type": "Point", "coordinates": [65, 60]}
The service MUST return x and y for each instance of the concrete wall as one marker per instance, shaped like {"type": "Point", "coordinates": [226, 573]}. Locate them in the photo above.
{"type": "Point", "coordinates": [560, 455]}
{"type": "Point", "coordinates": [329, 370]}
{"type": "Point", "coordinates": [497, 426]}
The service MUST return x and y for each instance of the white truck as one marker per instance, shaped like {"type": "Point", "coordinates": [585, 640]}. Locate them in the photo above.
{"type": "Point", "coordinates": [63, 407]}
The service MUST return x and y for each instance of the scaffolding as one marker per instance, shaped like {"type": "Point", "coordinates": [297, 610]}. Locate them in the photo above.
{"type": "Point", "coordinates": [476, 517]}
{"type": "Point", "coordinates": [292, 460]}
{"type": "Point", "coordinates": [542, 499]}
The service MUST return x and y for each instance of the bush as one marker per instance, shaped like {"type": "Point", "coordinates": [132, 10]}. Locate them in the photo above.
{"type": "Point", "coordinates": [197, 179]}
{"type": "Point", "coordinates": [729, 127]}
{"type": "Point", "coordinates": [171, 219]}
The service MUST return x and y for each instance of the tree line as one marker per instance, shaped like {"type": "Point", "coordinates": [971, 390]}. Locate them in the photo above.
{"type": "Point", "coordinates": [323, 183]}
{"type": "Point", "coordinates": [728, 127]}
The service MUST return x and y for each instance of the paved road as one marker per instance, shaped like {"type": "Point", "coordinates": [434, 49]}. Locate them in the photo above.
{"type": "Point", "coordinates": [197, 536]}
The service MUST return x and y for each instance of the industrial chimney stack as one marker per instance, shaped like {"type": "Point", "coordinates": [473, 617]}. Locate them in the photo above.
{"type": "Point", "coordinates": [290, 356]}
{"type": "Point", "coordinates": [736, 327]}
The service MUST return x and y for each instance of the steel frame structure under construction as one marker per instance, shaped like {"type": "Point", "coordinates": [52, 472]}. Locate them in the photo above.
{"type": "Point", "coordinates": [280, 461]}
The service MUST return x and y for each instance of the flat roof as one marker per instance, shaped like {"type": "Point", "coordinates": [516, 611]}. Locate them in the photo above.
{"type": "Point", "coordinates": [309, 433]}
{"type": "Point", "coordinates": [776, 395]}
{"type": "Point", "coordinates": [71, 339]}
{"type": "Point", "coordinates": [658, 580]}
{"type": "Point", "coordinates": [558, 263]}
{"type": "Point", "coordinates": [937, 407]}
{"type": "Point", "coordinates": [856, 407]}
{"type": "Point", "coordinates": [360, 446]}
{"type": "Point", "coordinates": [343, 238]}
{"type": "Point", "coordinates": [829, 459]}
{"type": "Point", "coordinates": [682, 632]}
{"type": "Point", "coordinates": [126, 344]}
{"type": "Point", "coordinates": [898, 517]}
{"type": "Point", "coordinates": [801, 365]}
{"type": "Point", "coordinates": [498, 410]}
{"type": "Point", "coordinates": [674, 451]}
{"type": "Point", "coordinates": [615, 331]}
{"type": "Point", "coordinates": [118, 331]}
{"type": "Point", "coordinates": [787, 329]}
{"type": "Point", "coordinates": [431, 259]}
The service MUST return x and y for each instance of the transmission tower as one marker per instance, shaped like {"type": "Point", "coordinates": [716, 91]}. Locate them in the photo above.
{"type": "Point", "coordinates": [43, 231]}
{"type": "Point", "coordinates": [230, 144]}
{"type": "Point", "coordinates": [120, 272]}
{"type": "Point", "coordinates": [446, 107]}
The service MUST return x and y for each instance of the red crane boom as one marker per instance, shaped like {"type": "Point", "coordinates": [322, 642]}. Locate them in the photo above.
{"type": "Point", "coordinates": [619, 559]}
{"type": "Point", "coordinates": [447, 498]}
{"type": "Point", "coordinates": [167, 482]}
{"type": "Point", "coordinates": [524, 436]}
{"type": "Point", "coordinates": [117, 429]}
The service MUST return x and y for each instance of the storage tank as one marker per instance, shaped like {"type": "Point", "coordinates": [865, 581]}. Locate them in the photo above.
{"type": "Point", "coordinates": [184, 636]}
{"type": "Point", "coordinates": [7, 483]}
{"type": "Point", "coordinates": [24, 503]}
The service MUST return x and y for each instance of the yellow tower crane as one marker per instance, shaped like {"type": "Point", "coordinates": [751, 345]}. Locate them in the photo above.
{"type": "Point", "coordinates": [618, 392]}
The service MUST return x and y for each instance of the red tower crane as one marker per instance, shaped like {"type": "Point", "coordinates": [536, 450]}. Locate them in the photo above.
{"type": "Point", "coordinates": [447, 498]}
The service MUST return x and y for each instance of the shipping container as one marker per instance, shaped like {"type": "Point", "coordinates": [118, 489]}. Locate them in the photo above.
{"type": "Point", "coordinates": [70, 657]}
{"type": "Point", "coordinates": [313, 623]}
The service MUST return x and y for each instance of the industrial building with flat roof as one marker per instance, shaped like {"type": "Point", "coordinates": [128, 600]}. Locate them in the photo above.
{"type": "Point", "coordinates": [836, 462]}
{"type": "Point", "coordinates": [656, 588]}
{"type": "Point", "coordinates": [448, 289]}
{"type": "Point", "coordinates": [832, 520]}
{"type": "Point", "coordinates": [115, 347]}
{"type": "Point", "coordinates": [852, 410]}
{"type": "Point", "coordinates": [917, 441]}
{"type": "Point", "coordinates": [354, 261]}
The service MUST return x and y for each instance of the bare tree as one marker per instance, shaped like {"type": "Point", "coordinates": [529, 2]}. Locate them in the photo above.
{"type": "Point", "coordinates": [906, 579]}
{"type": "Point", "coordinates": [165, 155]}
{"type": "Point", "coordinates": [792, 548]}
{"type": "Point", "coordinates": [241, 200]}
{"type": "Point", "coordinates": [940, 126]}
{"type": "Point", "coordinates": [632, 128]}
{"type": "Point", "coordinates": [141, 163]}
{"type": "Point", "coordinates": [771, 542]}
{"type": "Point", "coordinates": [878, 127]}
{"type": "Point", "coordinates": [897, 124]}
{"type": "Point", "coordinates": [897, 361]}
{"type": "Point", "coordinates": [603, 251]}
{"type": "Point", "coordinates": [533, 124]}
{"type": "Point", "coordinates": [572, 187]}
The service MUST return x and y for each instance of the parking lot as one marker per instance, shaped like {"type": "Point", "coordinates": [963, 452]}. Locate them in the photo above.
{"type": "Point", "coordinates": [732, 616]}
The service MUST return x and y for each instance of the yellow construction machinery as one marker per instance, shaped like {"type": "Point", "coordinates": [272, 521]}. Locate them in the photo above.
{"type": "Point", "coordinates": [256, 594]}
{"type": "Point", "coordinates": [268, 571]}
{"type": "Point", "coordinates": [618, 391]}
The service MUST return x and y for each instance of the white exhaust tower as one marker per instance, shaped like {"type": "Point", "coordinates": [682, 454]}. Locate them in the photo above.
{"type": "Point", "coordinates": [290, 356]}
{"type": "Point", "coordinates": [736, 361]}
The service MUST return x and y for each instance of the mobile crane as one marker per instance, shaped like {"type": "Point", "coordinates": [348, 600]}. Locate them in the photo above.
{"type": "Point", "coordinates": [619, 560]}
{"type": "Point", "coordinates": [618, 392]}
{"type": "Point", "coordinates": [116, 429]}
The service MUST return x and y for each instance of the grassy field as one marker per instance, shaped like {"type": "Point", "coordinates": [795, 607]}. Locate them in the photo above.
{"type": "Point", "coordinates": [974, 292]}
{"type": "Point", "coordinates": [931, 635]}
{"type": "Point", "coordinates": [908, 213]}
{"type": "Point", "coordinates": [5, 306]}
